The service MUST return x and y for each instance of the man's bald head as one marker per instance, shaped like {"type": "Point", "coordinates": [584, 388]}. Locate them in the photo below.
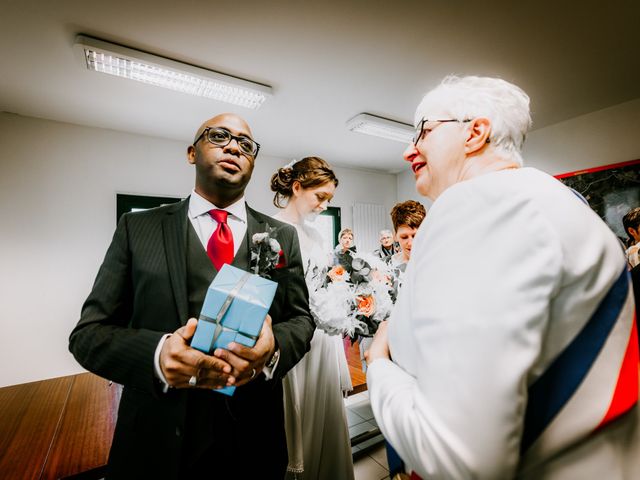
{"type": "Point", "coordinates": [222, 120]}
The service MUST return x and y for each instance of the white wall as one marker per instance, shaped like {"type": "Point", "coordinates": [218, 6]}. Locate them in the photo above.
{"type": "Point", "coordinates": [57, 208]}
{"type": "Point", "coordinates": [406, 186]}
{"type": "Point", "coordinates": [363, 187]}
{"type": "Point", "coordinates": [599, 138]}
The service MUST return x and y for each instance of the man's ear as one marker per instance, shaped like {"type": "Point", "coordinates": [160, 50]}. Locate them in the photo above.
{"type": "Point", "coordinates": [477, 135]}
{"type": "Point", "coordinates": [191, 154]}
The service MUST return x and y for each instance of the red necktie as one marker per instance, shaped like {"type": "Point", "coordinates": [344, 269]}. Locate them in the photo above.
{"type": "Point", "coordinates": [220, 246]}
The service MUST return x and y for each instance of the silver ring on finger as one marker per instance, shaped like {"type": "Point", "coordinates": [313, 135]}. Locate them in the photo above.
{"type": "Point", "coordinates": [193, 381]}
{"type": "Point", "coordinates": [253, 373]}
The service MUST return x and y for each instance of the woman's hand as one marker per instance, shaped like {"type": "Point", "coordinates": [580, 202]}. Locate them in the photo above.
{"type": "Point", "coordinates": [380, 346]}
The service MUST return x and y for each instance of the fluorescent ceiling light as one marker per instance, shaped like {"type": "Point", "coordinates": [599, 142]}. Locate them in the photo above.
{"type": "Point", "coordinates": [381, 127]}
{"type": "Point", "coordinates": [120, 61]}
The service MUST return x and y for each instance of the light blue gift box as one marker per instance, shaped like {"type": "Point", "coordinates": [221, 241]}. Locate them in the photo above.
{"type": "Point", "coordinates": [234, 309]}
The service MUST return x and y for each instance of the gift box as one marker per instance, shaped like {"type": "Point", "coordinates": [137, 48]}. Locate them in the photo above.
{"type": "Point", "coordinates": [234, 309]}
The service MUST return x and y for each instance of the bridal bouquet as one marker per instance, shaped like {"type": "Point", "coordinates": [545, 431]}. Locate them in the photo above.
{"type": "Point", "coordinates": [352, 299]}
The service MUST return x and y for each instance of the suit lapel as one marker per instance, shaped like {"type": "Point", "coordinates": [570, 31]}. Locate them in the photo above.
{"type": "Point", "coordinates": [174, 232]}
{"type": "Point", "coordinates": [241, 259]}
{"type": "Point", "coordinates": [254, 225]}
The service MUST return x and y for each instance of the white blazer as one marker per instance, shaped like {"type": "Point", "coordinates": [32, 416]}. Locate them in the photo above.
{"type": "Point", "coordinates": [509, 339]}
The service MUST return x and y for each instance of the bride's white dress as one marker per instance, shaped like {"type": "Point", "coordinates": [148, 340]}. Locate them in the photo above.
{"type": "Point", "coordinates": [315, 418]}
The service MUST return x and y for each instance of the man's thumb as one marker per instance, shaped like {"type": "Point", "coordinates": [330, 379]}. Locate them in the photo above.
{"type": "Point", "coordinates": [188, 330]}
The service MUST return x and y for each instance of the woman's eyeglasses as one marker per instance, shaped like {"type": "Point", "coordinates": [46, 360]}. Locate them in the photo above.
{"type": "Point", "coordinates": [421, 131]}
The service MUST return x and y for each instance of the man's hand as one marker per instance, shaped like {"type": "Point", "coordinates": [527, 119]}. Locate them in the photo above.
{"type": "Point", "coordinates": [248, 362]}
{"type": "Point", "coordinates": [380, 346]}
{"type": "Point", "coordinates": [179, 362]}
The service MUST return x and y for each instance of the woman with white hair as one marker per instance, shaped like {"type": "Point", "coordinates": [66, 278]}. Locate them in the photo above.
{"type": "Point", "coordinates": [511, 350]}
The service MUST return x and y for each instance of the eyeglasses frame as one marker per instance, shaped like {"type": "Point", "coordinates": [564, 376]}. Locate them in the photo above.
{"type": "Point", "coordinates": [420, 130]}
{"type": "Point", "coordinates": [231, 137]}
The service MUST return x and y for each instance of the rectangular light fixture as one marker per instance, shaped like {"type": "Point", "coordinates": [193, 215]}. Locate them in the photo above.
{"type": "Point", "coordinates": [112, 59]}
{"type": "Point", "coordinates": [381, 127]}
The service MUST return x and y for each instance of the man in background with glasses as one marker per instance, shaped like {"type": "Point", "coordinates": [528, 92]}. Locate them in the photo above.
{"type": "Point", "coordinates": [137, 323]}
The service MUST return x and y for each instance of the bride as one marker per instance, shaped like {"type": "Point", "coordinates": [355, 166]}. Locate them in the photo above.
{"type": "Point", "coordinates": [315, 418]}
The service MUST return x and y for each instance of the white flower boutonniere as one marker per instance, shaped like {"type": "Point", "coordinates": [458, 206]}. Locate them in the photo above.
{"type": "Point", "coordinates": [266, 253]}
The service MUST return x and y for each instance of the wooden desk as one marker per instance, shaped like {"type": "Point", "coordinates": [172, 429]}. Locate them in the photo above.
{"type": "Point", "coordinates": [57, 428]}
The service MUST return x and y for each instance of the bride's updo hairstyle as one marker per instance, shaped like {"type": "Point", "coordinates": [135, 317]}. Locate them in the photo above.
{"type": "Point", "coordinates": [310, 172]}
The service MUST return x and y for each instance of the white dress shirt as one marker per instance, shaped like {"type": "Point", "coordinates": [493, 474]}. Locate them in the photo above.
{"type": "Point", "coordinates": [205, 225]}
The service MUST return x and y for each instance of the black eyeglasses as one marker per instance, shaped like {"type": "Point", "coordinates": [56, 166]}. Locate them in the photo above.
{"type": "Point", "coordinates": [420, 130]}
{"type": "Point", "coordinates": [222, 137]}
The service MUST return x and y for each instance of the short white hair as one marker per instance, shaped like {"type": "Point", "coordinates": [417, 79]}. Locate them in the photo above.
{"type": "Point", "coordinates": [504, 104]}
{"type": "Point", "coordinates": [386, 232]}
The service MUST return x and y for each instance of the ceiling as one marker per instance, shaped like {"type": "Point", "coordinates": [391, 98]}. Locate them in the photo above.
{"type": "Point", "coordinates": [327, 60]}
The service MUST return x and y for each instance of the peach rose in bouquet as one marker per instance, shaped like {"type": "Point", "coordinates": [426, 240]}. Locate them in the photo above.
{"type": "Point", "coordinates": [338, 274]}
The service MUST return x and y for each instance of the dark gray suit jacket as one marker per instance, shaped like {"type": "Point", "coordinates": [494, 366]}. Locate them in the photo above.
{"type": "Point", "coordinates": [140, 293]}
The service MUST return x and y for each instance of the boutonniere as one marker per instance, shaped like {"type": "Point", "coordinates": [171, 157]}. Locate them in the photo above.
{"type": "Point", "coordinates": [266, 253]}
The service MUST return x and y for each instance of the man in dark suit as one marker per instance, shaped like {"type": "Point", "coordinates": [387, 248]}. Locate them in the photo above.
{"type": "Point", "coordinates": [137, 323]}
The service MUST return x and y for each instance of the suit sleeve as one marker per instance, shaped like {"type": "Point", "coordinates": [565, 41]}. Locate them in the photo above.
{"type": "Point", "coordinates": [294, 327]}
{"type": "Point", "coordinates": [103, 341]}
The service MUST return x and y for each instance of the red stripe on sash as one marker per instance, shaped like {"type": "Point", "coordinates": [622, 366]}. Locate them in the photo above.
{"type": "Point", "coordinates": [626, 392]}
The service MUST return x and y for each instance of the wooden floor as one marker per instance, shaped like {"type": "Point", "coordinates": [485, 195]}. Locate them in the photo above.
{"type": "Point", "coordinates": [358, 378]}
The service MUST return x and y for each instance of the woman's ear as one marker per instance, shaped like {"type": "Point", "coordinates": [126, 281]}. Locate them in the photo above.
{"type": "Point", "coordinates": [296, 188]}
{"type": "Point", "coordinates": [478, 135]}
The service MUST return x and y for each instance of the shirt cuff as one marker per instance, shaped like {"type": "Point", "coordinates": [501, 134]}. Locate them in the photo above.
{"type": "Point", "coordinates": [269, 372]}
{"type": "Point", "coordinates": [156, 364]}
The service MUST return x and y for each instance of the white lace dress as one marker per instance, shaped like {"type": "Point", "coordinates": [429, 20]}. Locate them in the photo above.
{"type": "Point", "coordinates": [315, 418]}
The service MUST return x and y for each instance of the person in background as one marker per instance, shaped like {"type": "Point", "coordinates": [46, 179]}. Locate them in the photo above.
{"type": "Point", "coordinates": [316, 420]}
{"type": "Point", "coordinates": [511, 351]}
{"type": "Point", "coordinates": [631, 224]}
{"type": "Point", "coordinates": [406, 217]}
{"type": "Point", "coordinates": [343, 253]}
{"type": "Point", "coordinates": [387, 246]}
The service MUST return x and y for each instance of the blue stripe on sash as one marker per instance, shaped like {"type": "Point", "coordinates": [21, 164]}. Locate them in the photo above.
{"type": "Point", "coordinates": [549, 393]}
